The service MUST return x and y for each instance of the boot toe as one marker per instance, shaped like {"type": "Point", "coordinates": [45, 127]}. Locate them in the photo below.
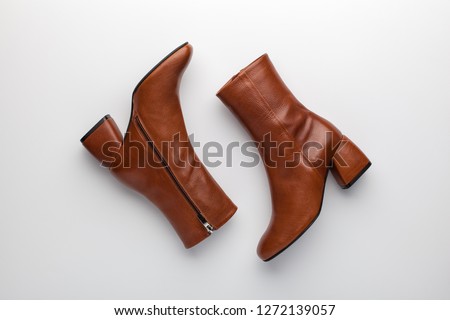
{"type": "Point", "coordinates": [269, 248]}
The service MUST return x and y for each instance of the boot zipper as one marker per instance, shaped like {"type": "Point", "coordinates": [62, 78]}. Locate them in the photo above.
{"type": "Point", "coordinates": [209, 228]}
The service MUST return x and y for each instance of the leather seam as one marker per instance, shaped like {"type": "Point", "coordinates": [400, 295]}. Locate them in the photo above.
{"type": "Point", "coordinates": [273, 116]}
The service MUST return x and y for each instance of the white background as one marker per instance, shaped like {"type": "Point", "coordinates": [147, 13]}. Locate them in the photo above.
{"type": "Point", "coordinates": [379, 70]}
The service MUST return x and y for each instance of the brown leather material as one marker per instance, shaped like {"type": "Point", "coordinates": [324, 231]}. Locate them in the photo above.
{"type": "Point", "coordinates": [354, 165]}
{"type": "Point", "coordinates": [105, 130]}
{"type": "Point", "coordinates": [301, 149]}
{"type": "Point", "coordinates": [186, 193]}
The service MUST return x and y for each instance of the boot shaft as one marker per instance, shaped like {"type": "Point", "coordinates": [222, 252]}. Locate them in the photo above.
{"type": "Point", "coordinates": [271, 113]}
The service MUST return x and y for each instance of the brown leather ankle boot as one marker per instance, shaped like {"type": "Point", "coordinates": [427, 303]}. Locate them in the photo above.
{"type": "Point", "coordinates": [298, 149]}
{"type": "Point", "coordinates": [156, 158]}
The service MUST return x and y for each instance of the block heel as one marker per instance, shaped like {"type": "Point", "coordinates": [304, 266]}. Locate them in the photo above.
{"type": "Point", "coordinates": [102, 140]}
{"type": "Point", "coordinates": [349, 163]}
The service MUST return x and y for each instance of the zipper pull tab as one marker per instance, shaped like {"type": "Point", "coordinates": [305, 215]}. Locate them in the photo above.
{"type": "Point", "coordinates": [208, 227]}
